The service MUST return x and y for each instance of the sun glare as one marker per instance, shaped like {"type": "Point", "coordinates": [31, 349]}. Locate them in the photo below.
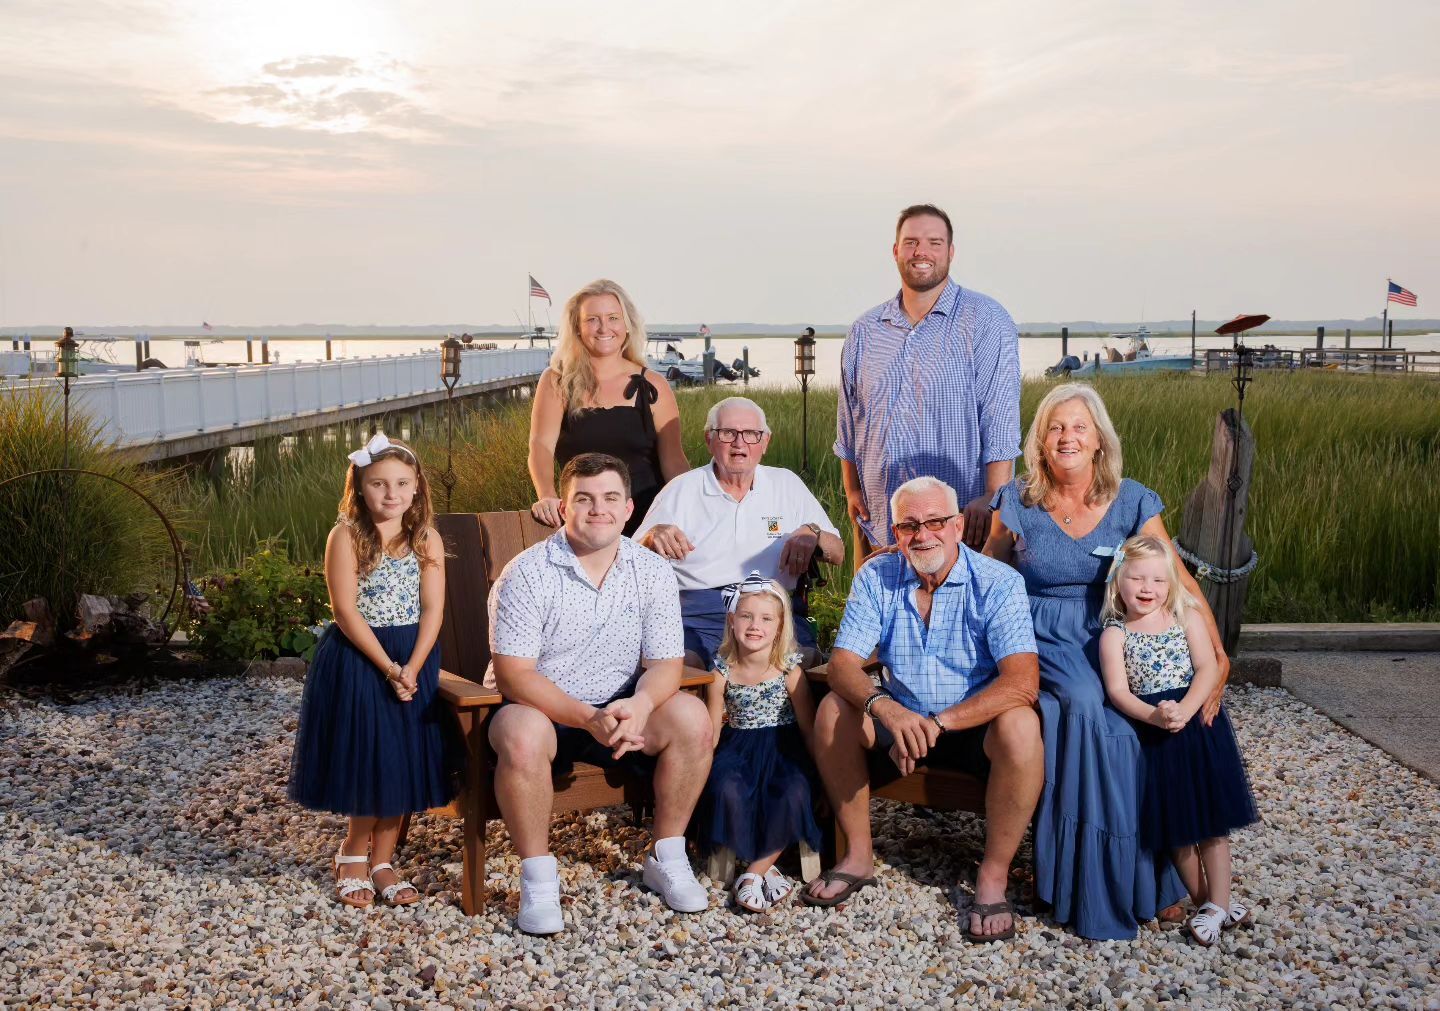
{"type": "Point", "coordinates": [340, 67]}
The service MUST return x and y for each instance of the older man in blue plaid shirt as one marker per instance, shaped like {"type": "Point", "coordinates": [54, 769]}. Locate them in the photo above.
{"type": "Point", "coordinates": [961, 676]}
{"type": "Point", "coordinates": [929, 386]}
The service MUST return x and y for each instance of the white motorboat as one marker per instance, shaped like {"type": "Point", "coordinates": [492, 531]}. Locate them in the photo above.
{"type": "Point", "coordinates": [1137, 357]}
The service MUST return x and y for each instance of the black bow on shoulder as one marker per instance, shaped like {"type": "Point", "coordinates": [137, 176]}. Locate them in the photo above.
{"type": "Point", "coordinates": [644, 395]}
{"type": "Point", "coordinates": [638, 384]}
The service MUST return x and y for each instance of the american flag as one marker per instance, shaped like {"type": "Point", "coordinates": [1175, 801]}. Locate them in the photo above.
{"type": "Point", "coordinates": [205, 326]}
{"type": "Point", "coordinates": [537, 290]}
{"type": "Point", "coordinates": [1402, 295]}
{"type": "Point", "coordinates": [704, 330]}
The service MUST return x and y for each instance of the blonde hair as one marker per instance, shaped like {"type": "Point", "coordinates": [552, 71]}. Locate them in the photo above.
{"type": "Point", "coordinates": [415, 524]}
{"type": "Point", "coordinates": [1139, 548]}
{"type": "Point", "coordinates": [1039, 482]}
{"type": "Point", "coordinates": [571, 362]}
{"type": "Point", "coordinates": [784, 643]}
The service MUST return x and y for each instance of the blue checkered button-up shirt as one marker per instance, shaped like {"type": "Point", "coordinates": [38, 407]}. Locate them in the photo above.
{"type": "Point", "coordinates": [978, 616]}
{"type": "Point", "coordinates": [941, 399]}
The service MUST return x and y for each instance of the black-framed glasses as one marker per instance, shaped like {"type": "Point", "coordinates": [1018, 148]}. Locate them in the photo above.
{"type": "Point", "coordinates": [909, 528]}
{"type": "Point", "coordinates": [750, 435]}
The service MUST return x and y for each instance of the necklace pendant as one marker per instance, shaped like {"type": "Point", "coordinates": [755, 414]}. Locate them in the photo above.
{"type": "Point", "coordinates": [1067, 521]}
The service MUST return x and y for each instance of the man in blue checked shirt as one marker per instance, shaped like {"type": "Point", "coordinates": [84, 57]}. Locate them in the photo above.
{"type": "Point", "coordinates": [929, 386]}
{"type": "Point", "coordinates": [961, 677]}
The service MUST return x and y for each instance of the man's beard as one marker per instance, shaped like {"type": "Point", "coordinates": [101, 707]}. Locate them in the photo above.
{"type": "Point", "coordinates": [929, 563]}
{"type": "Point", "coordinates": [938, 276]}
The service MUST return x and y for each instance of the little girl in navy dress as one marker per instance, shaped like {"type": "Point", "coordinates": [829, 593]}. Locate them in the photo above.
{"type": "Point", "coordinates": [375, 742]}
{"type": "Point", "coordinates": [757, 800]}
{"type": "Point", "coordinates": [1159, 668]}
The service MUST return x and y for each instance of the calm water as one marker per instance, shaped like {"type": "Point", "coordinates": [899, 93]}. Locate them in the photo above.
{"type": "Point", "coordinates": [773, 356]}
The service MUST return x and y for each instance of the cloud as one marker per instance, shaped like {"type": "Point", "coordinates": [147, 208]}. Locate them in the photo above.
{"type": "Point", "coordinates": [1270, 68]}
{"type": "Point", "coordinates": [313, 66]}
{"type": "Point", "coordinates": [330, 94]}
{"type": "Point", "coordinates": [1399, 88]}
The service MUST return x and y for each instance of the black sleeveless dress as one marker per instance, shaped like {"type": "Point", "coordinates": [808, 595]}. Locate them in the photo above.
{"type": "Point", "coordinates": [627, 432]}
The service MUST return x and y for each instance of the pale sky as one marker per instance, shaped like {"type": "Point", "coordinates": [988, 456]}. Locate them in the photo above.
{"type": "Point", "coordinates": [263, 162]}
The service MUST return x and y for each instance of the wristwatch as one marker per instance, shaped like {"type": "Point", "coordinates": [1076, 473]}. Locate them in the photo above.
{"type": "Point", "coordinates": [813, 526]}
{"type": "Point", "coordinates": [935, 718]}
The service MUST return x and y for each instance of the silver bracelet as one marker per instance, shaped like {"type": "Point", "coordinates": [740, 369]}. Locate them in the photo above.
{"type": "Point", "coordinates": [875, 697]}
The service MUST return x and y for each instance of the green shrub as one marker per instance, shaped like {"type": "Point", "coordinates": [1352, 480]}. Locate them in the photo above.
{"type": "Point", "coordinates": [269, 607]}
{"type": "Point", "coordinates": [67, 534]}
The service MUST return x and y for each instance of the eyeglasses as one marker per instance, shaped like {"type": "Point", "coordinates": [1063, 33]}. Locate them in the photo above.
{"type": "Point", "coordinates": [909, 528]}
{"type": "Point", "coordinates": [750, 435]}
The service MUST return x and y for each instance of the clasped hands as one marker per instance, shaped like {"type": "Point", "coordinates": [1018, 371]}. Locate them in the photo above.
{"type": "Point", "coordinates": [1169, 715]}
{"type": "Point", "coordinates": [620, 726]}
{"type": "Point", "coordinates": [914, 734]}
{"type": "Point", "coordinates": [403, 680]}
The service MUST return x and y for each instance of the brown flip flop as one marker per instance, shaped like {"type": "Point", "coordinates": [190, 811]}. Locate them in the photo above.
{"type": "Point", "coordinates": [853, 884]}
{"type": "Point", "coordinates": [984, 909]}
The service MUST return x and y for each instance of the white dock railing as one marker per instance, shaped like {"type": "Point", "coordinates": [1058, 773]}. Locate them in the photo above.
{"type": "Point", "coordinates": [161, 404]}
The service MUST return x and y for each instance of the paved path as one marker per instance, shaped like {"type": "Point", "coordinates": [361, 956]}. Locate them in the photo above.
{"type": "Point", "coordinates": [1390, 699]}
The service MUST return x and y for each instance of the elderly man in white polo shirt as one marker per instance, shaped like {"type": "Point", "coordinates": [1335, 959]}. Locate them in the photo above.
{"type": "Point", "coordinates": [586, 646]}
{"type": "Point", "coordinates": [719, 522]}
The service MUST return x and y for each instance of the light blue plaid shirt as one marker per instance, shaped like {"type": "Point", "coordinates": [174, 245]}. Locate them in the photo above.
{"type": "Point", "coordinates": [938, 400]}
{"type": "Point", "coordinates": [978, 616]}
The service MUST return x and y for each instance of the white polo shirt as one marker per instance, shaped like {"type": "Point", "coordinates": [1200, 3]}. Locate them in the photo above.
{"type": "Point", "coordinates": [733, 538]}
{"type": "Point", "coordinates": [587, 640]}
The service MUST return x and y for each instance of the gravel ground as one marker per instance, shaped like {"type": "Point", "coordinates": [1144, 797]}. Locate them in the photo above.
{"type": "Point", "coordinates": [143, 864]}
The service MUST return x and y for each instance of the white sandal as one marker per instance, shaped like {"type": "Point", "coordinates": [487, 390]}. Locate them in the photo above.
{"type": "Point", "coordinates": [777, 887]}
{"type": "Point", "coordinates": [1239, 915]}
{"type": "Point", "coordinates": [388, 893]}
{"type": "Point", "coordinates": [346, 887]}
{"type": "Point", "coordinates": [1206, 924]}
{"type": "Point", "coordinates": [750, 893]}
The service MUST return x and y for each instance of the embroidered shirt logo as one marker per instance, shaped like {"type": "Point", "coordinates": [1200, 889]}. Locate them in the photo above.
{"type": "Point", "coordinates": [772, 527]}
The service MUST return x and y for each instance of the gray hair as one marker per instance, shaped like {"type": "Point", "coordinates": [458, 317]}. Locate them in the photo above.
{"type": "Point", "coordinates": [712, 420]}
{"type": "Point", "coordinates": [919, 485]}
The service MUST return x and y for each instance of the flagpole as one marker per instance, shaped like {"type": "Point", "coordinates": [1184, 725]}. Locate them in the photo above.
{"type": "Point", "coordinates": [1385, 318]}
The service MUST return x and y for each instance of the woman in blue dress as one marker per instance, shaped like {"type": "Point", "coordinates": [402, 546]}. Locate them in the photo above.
{"type": "Point", "coordinates": [1059, 525]}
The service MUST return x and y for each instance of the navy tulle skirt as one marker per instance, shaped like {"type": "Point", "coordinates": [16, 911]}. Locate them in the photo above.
{"type": "Point", "coordinates": [359, 750]}
{"type": "Point", "coordinates": [757, 800]}
{"type": "Point", "coordinates": [1195, 785]}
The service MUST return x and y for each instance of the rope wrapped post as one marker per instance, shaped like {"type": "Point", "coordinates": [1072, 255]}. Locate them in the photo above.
{"type": "Point", "coordinates": [1212, 542]}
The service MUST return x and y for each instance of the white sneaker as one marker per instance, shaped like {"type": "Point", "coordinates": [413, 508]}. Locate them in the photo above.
{"type": "Point", "coordinates": [540, 904]}
{"type": "Point", "coordinates": [675, 880]}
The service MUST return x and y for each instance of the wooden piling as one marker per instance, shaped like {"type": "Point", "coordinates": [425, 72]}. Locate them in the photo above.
{"type": "Point", "coordinates": [1214, 525]}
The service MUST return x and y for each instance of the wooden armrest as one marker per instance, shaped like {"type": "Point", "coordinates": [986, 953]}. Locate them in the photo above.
{"type": "Point", "coordinates": [463, 694]}
{"type": "Point", "coordinates": [694, 677]}
{"type": "Point", "coordinates": [821, 674]}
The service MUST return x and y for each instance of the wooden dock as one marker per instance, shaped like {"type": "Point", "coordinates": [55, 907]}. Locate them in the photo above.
{"type": "Point", "coordinates": [166, 413]}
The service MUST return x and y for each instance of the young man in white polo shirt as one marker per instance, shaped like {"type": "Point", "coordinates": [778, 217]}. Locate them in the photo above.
{"type": "Point", "coordinates": [572, 621]}
{"type": "Point", "coordinates": [732, 516]}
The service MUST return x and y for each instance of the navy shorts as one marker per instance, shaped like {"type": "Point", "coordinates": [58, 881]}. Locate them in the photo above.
{"type": "Point", "coordinates": [962, 750]}
{"type": "Point", "coordinates": [576, 744]}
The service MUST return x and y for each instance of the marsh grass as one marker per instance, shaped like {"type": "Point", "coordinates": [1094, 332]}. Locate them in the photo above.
{"type": "Point", "coordinates": [1345, 507]}
{"type": "Point", "coordinates": [67, 534]}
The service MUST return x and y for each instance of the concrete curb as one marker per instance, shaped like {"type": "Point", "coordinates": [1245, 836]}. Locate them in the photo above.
{"type": "Point", "coordinates": [1396, 637]}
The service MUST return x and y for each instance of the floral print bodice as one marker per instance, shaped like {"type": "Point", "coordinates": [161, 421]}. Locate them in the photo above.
{"type": "Point", "coordinates": [753, 707]}
{"type": "Point", "coordinates": [1157, 661]}
{"type": "Point", "coordinates": [390, 593]}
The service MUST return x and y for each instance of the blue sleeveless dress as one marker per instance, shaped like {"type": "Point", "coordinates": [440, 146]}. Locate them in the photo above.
{"type": "Point", "coordinates": [359, 750]}
{"type": "Point", "coordinates": [758, 797]}
{"type": "Point", "coordinates": [1196, 786]}
{"type": "Point", "coordinates": [1090, 864]}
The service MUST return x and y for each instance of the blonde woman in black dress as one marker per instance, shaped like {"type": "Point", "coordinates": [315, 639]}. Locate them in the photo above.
{"type": "Point", "coordinates": [597, 396]}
